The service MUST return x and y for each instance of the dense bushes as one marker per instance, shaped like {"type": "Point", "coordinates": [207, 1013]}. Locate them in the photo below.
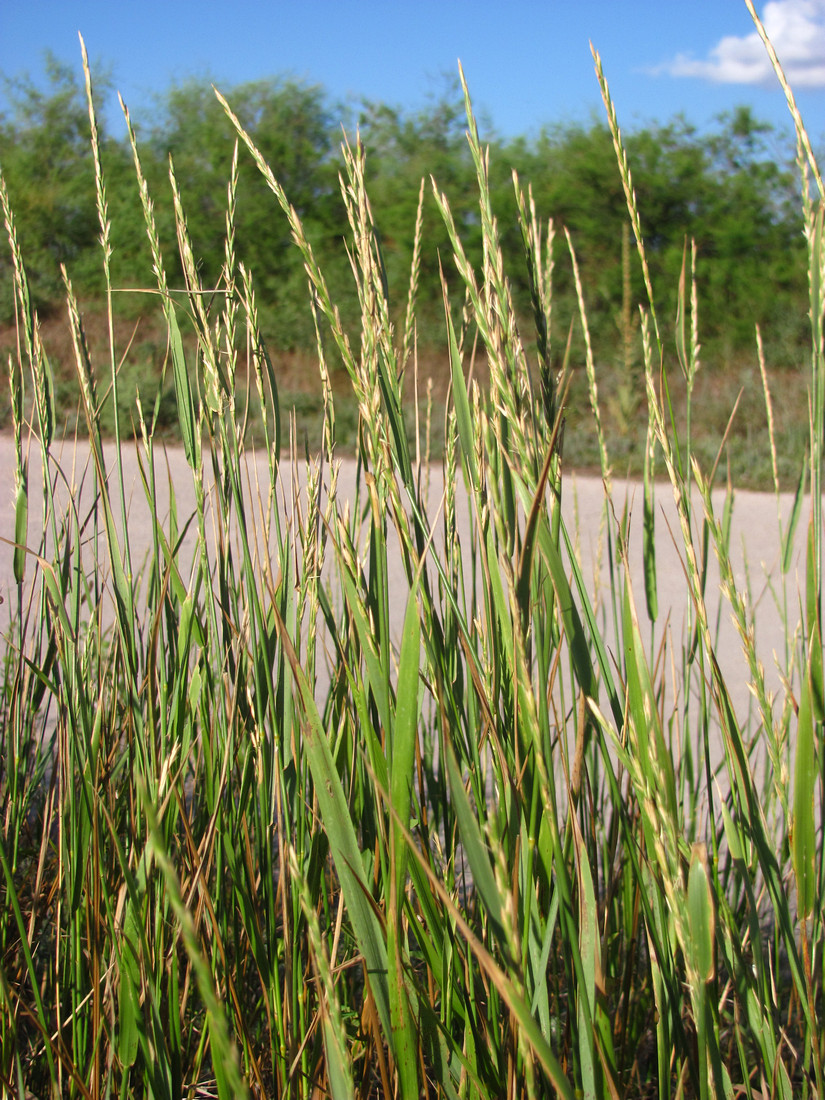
{"type": "Point", "coordinates": [732, 189]}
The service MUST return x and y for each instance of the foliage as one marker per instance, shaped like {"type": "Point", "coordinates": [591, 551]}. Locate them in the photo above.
{"type": "Point", "coordinates": [296, 132]}
{"type": "Point", "coordinates": [46, 161]}
{"type": "Point", "coordinates": [730, 189]}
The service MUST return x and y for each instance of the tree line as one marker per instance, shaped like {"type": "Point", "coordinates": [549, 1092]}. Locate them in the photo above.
{"type": "Point", "coordinates": [733, 189]}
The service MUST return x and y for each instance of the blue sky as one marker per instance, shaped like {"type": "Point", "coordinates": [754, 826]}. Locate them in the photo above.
{"type": "Point", "coordinates": [527, 63]}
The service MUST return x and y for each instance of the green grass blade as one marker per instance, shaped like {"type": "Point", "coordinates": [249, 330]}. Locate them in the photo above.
{"type": "Point", "coordinates": [12, 901]}
{"type": "Point", "coordinates": [404, 738]}
{"type": "Point", "coordinates": [338, 824]}
{"type": "Point", "coordinates": [649, 528]}
{"type": "Point", "coordinates": [701, 919]}
{"type": "Point", "coordinates": [590, 954]}
{"type": "Point", "coordinates": [183, 392]}
{"type": "Point", "coordinates": [230, 1081]}
{"type": "Point", "coordinates": [507, 988]}
{"type": "Point", "coordinates": [814, 624]}
{"type": "Point", "coordinates": [804, 823]}
{"type": "Point", "coordinates": [405, 732]}
{"type": "Point", "coordinates": [338, 1060]}
{"type": "Point", "coordinates": [793, 520]}
{"type": "Point", "coordinates": [478, 856]}
{"type": "Point", "coordinates": [21, 526]}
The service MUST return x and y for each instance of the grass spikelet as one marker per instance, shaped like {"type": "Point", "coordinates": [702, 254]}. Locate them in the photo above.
{"type": "Point", "coordinates": [42, 380]}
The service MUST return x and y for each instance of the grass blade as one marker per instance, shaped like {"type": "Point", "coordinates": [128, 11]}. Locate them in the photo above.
{"type": "Point", "coordinates": [340, 831]}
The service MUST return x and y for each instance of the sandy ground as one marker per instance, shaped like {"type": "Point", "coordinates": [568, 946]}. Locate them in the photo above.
{"type": "Point", "coordinates": [755, 543]}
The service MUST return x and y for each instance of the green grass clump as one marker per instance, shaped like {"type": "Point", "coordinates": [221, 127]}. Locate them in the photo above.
{"type": "Point", "coordinates": [257, 841]}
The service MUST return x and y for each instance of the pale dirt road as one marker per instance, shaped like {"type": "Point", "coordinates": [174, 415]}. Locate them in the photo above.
{"type": "Point", "coordinates": [754, 539]}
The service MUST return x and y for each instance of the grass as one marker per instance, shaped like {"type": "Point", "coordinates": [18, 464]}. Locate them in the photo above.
{"type": "Point", "coordinates": [254, 842]}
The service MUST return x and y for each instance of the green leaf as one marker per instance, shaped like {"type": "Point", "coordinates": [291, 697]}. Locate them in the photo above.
{"type": "Point", "coordinates": [21, 526]}
{"type": "Point", "coordinates": [510, 993]}
{"type": "Point", "coordinates": [183, 392]}
{"type": "Point", "coordinates": [574, 632]}
{"type": "Point", "coordinates": [341, 1085]}
{"type": "Point", "coordinates": [338, 1061]}
{"type": "Point", "coordinates": [230, 1081]}
{"type": "Point", "coordinates": [731, 832]}
{"type": "Point", "coordinates": [376, 671]}
{"type": "Point", "coordinates": [649, 533]}
{"type": "Point", "coordinates": [338, 825]}
{"type": "Point", "coordinates": [477, 855]}
{"type": "Point", "coordinates": [406, 721]}
{"type": "Point", "coordinates": [403, 742]}
{"type": "Point", "coordinates": [793, 520]}
{"type": "Point", "coordinates": [589, 950]}
{"type": "Point", "coordinates": [804, 826]}
{"type": "Point", "coordinates": [701, 920]}
{"type": "Point", "coordinates": [403, 1028]}
{"type": "Point", "coordinates": [11, 902]}
{"type": "Point", "coordinates": [813, 590]}
{"type": "Point", "coordinates": [128, 1016]}
{"type": "Point", "coordinates": [531, 530]}
{"type": "Point", "coordinates": [650, 745]}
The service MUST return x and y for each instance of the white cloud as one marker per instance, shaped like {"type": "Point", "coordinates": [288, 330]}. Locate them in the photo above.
{"type": "Point", "coordinates": [797, 30]}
